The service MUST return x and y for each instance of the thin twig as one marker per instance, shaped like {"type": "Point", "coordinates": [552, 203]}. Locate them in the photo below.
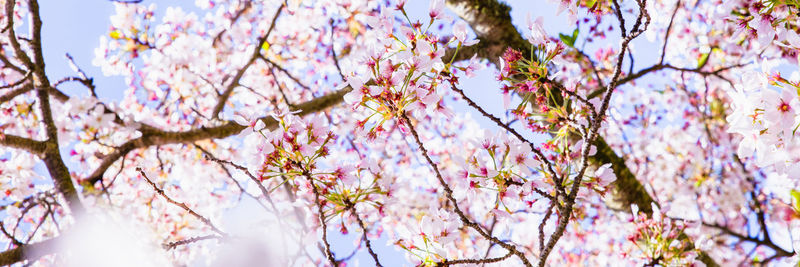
{"type": "Point", "coordinates": [82, 78]}
{"type": "Point", "coordinates": [333, 52]}
{"type": "Point", "coordinates": [475, 261]}
{"type": "Point", "coordinates": [543, 223]}
{"type": "Point", "coordinates": [669, 28]}
{"type": "Point", "coordinates": [507, 128]}
{"type": "Point", "coordinates": [172, 245]}
{"type": "Point", "coordinates": [321, 215]}
{"type": "Point", "coordinates": [449, 194]}
{"type": "Point", "coordinates": [264, 190]}
{"type": "Point", "coordinates": [566, 210]}
{"type": "Point", "coordinates": [285, 72]}
{"type": "Point", "coordinates": [9, 236]}
{"type": "Point", "coordinates": [20, 81]}
{"type": "Point", "coordinates": [182, 205]}
{"type": "Point", "coordinates": [256, 53]}
{"type": "Point", "coordinates": [351, 207]}
{"type": "Point", "coordinates": [779, 251]}
{"type": "Point", "coordinates": [247, 5]}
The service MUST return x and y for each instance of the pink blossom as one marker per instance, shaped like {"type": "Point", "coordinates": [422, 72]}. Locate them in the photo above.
{"type": "Point", "coordinates": [763, 26]}
{"type": "Point", "coordinates": [436, 9]}
{"type": "Point", "coordinates": [605, 175]}
{"type": "Point", "coordinates": [460, 32]}
{"type": "Point", "coordinates": [537, 34]}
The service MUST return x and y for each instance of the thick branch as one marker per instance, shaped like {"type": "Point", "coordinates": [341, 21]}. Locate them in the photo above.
{"type": "Point", "coordinates": [28, 252]}
{"type": "Point", "coordinates": [12, 36]}
{"type": "Point", "coordinates": [27, 87]}
{"type": "Point", "coordinates": [153, 137]}
{"type": "Point", "coordinates": [34, 147]}
{"type": "Point", "coordinates": [626, 190]}
{"type": "Point", "coordinates": [491, 21]}
{"type": "Point", "coordinates": [14, 93]}
{"type": "Point", "coordinates": [475, 261]}
{"type": "Point", "coordinates": [52, 156]}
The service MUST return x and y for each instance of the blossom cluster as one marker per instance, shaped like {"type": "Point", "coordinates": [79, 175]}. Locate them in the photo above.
{"type": "Point", "coordinates": [294, 146]}
{"type": "Point", "coordinates": [766, 113]}
{"type": "Point", "coordinates": [431, 236]}
{"type": "Point", "coordinates": [505, 165]}
{"type": "Point", "coordinates": [404, 71]}
{"type": "Point", "coordinates": [293, 152]}
{"type": "Point", "coordinates": [765, 22]}
{"type": "Point", "coordinates": [660, 240]}
{"type": "Point", "coordinates": [547, 105]}
{"type": "Point", "coordinates": [706, 141]}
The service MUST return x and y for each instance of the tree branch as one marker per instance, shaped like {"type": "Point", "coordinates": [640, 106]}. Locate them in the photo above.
{"type": "Point", "coordinates": [595, 122]}
{"type": "Point", "coordinates": [235, 82]}
{"type": "Point", "coordinates": [37, 148]}
{"type": "Point", "coordinates": [475, 261]}
{"type": "Point", "coordinates": [151, 137]}
{"type": "Point", "coordinates": [14, 93]}
{"type": "Point", "coordinates": [29, 252]}
{"type": "Point", "coordinates": [491, 18]}
{"type": "Point", "coordinates": [491, 21]}
{"type": "Point", "coordinates": [352, 208]}
{"type": "Point", "coordinates": [668, 31]}
{"type": "Point", "coordinates": [181, 205]}
{"type": "Point", "coordinates": [321, 215]}
{"type": "Point", "coordinates": [12, 36]}
{"type": "Point", "coordinates": [449, 194]}
{"type": "Point", "coordinates": [187, 241]}
{"type": "Point", "coordinates": [500, 124]}
{"type": "Point", "coordinates": [52, 156]}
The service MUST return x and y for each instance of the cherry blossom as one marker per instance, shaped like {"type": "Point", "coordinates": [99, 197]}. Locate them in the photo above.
{"type": "Point", "coordinates": [537, 34]}
{"type": "Point", "coordinates": [460, 32]}
{"type": "Point", "coordinates": [636, 133]}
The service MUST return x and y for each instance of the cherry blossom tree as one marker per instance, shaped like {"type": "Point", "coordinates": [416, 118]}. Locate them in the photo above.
{"type": "Point", "coordinates": [658, 132]}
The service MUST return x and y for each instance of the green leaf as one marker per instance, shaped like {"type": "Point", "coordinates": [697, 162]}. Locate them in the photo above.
{"type": "Point", "coordinates": [569, 40]}
{"type": "Point", "coordinates": [115, 34]}
{"type": "Point", "coordinates": [88, 188]}
{"type": "Point", "coordinates": [703, 60]}
{"type": "Point", "coordinates": [565, 39]}
{"type": "Point", "coordinates": [575, 35]}
{"type": "Point", "coordinates": [265, 46]}
{"type": "Point", "coordinates": [796, 195]}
